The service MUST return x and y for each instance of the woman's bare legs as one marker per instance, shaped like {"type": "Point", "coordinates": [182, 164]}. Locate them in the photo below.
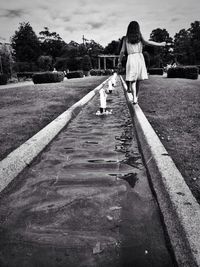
{"type": "Point", "coordinates": [137, 88]}
{"type": "Point", "coordinates": [134, 88]}
{"type": "Point", "coordinates": [129, 87]}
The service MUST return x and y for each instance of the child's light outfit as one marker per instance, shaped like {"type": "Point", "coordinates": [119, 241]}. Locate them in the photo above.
{"type": "Point", "coordinates": [103, 97]}
{"type": "Point", "coordinates": [135, 65]}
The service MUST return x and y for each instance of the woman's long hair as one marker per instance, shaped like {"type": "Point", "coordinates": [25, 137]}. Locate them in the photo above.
{"type": "Point", "coordinates": [133, 35]}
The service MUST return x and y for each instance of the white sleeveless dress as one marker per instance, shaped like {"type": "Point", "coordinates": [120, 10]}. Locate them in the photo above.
{"type": "Point", "coordinates": [135, 65]}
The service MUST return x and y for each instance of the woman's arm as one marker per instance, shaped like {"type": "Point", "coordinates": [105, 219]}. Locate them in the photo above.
{"type": "Point", "coordinates": [120, 57]}
{"type": "Point", "coordinates": [122, 52]}
{"type": "Point", "coordinates": [147, 42]}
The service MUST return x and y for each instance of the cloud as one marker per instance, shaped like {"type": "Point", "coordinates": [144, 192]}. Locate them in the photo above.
{"type": "Point", "coordinates": [13, 13]}
{"type": "Point", "coordinates": [70, 28]}
{"type": "Point", "coordinates": [96, 25]}
{"type": "Point", "coordinates": [2, 38]}
{"type": "Point", "coordinates": [100, 20]}
{"type": "Point", "coordinates": [175, 19]}
{"type": "Point", "coordinates": [66, 18]}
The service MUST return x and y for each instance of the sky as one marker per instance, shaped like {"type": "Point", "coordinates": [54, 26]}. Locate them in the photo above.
{"type": "Point", "coordinates": [98, 20]}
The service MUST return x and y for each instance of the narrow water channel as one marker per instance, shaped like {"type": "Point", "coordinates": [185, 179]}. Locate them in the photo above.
{"type": "Point", "coordinates": [85, 201]}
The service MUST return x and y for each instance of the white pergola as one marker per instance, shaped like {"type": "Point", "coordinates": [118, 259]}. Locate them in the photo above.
{"type": "Point", "coordinates": [113, 57]}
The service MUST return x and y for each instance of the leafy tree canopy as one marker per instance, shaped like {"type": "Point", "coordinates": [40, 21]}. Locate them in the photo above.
{"type": "Point", "coordinates": [25, 43]}
{"type": "Point", "coordinates": [160, 35]}
{"type": "Point", "coordinates": [112, 48]}
{"type": "Point", "coordinates": [51, 43]}
{"type": "Point", "coordinates": [6, 59]}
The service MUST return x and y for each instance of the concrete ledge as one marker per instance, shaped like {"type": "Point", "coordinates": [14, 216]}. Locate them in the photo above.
{"type": "Point", "coordinates": [180, 210]}
{"type": "Point", "coordinates": [17, 160]}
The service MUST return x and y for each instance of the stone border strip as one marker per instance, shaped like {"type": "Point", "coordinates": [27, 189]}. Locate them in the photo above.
{"type": "Point", "coordinates": [180, 210]}
{"type": "Point", "coordinates": [21, 157]}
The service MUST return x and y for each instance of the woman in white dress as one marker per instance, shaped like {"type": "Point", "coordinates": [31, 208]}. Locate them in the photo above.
{"type": "Point", "coordinates": [135, 66]}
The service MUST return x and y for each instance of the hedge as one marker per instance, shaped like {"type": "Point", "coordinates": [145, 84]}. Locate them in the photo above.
{"type": "Point", "coordinates": [3, 79]}
{"type": "Point", "coordinates": [48, 77]}
{"type": "Point", "coordinates": [198, 66]}
{"type": "Point", "coordinates": [25, 75]}
{"type": "Point", "coordinates": [107, 72]}
{"type": "Point", "coordinates": [187, 72]}
{"type": "Point", "coordinates": [98, 72]}
{"type": "Point", "coordinates": [95, 72]}
{"type": "Point", "coordinates": [74, 74]}
{"type": "Point", "coordinates": [155, 71]}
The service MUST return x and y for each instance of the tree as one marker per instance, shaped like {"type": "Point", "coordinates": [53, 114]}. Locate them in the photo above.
{"type": "Point", "coordinates": [51, 43]}
{"type": "Point", "coordinates": [112, 48]}
{"type": "Point", "coordinates": [25, 44]}
{"type": "Point", "coordinates": [86, 64]}
{"type": "Point", "coordinates": [160, 35]}
{"type": "Point", "coordinates": [160, 56]}
{"type": "Point", "coordinates": [93, 50]}
{"type": "Point", "coordinates": [195, 42]}
{"type": "Point", "coordinates": [6, 59]}
{"type": "Point", "coordinates": [74, 51]}
{"type": "Point", "coordinates": [182, 46]}
{"type": "Point", "coordinates": [187, 45]}
{"type": "Point", "coordinates": [45, 62]}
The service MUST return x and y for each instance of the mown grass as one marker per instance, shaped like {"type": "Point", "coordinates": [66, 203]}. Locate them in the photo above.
{"type": "Point", "coordinates": [173, 108]}
{"type": "Point", "coordinates": [26, 110]}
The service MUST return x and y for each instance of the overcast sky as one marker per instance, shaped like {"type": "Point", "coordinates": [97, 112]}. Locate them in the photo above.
{"type": "Point", "coordinates": [100, 20]}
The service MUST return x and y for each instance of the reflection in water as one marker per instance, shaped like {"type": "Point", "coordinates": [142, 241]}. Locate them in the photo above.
{"type": "Point", "coordinates": [131, 178]}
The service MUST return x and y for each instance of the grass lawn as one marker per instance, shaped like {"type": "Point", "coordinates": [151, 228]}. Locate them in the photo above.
{"type": "Point", "coordinates": [26, 110]}
{"type": "Point", "coordinates": [172, 106]}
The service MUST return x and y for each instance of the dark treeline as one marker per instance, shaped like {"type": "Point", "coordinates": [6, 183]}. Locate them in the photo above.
{"type": "Point", "coordinates": [48, 50]}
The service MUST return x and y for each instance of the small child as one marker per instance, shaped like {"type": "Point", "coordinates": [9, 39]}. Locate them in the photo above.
{"type": "Point", "coordinates": [114, 79]}
{"type": "Point", "coordinates": [103, 97]}
{"type": "Point", "coordinates": [103, 92]}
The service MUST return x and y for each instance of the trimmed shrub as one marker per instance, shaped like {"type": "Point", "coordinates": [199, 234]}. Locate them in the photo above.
{"type": "Point", "coordinates": [198, 66]}
{"type": "Point", "coordinates": [187, 72]}
{"type": "Point", "coordinates": [3, 79]}
{"type": "Point", "coordinates": [122, 71]}
{"type": "Point", "coordinates": [95, 72]}
{"type": "Point", "coordinates": [155, 71]}
{"type": "Point", "coordinates": [98, 72]}
{"type": "Point", "coordinates": [191, 73]}
{"type": "Point", "coordinates": [48, 77]}
{"type": "Point", "coordinates": [25, 75]}
{"type": "Point", "coordinates": [74, 74]}
{"type": "Point", "coordinates": [108, 72]}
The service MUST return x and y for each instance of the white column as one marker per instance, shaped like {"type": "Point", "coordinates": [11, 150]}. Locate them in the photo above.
{"type": "Point", "coordinates": [99, 63]}
{"type": "Point", "coordinates": [104, 61]}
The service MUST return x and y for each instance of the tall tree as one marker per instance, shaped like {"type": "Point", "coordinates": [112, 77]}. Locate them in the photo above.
{"type": "Point", "coordinates": [182, 46]}
{"type": "Point", "coordinates": [6, 59]}
{"type": "Point", "coordinates": [51, 43]}
{"type": "Point", "coordinates": [160, 56]}
{"type": "Point", "coordinates": [93, 50]}
{"type": "Point", "coordinates": [74, 51]}
{"type": "Point", "coordinates": [25, 43]}
{"type": "Point", "coordinates": [160, 35]}
{"type": "Point", "coordinates": [86, 63]}
{"type": "Point", "coordinates": [45, 62]}
{"type": "Point", "coordinates": [112, 48]}
{"type": "Point", "coordinates": [195, 42]}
